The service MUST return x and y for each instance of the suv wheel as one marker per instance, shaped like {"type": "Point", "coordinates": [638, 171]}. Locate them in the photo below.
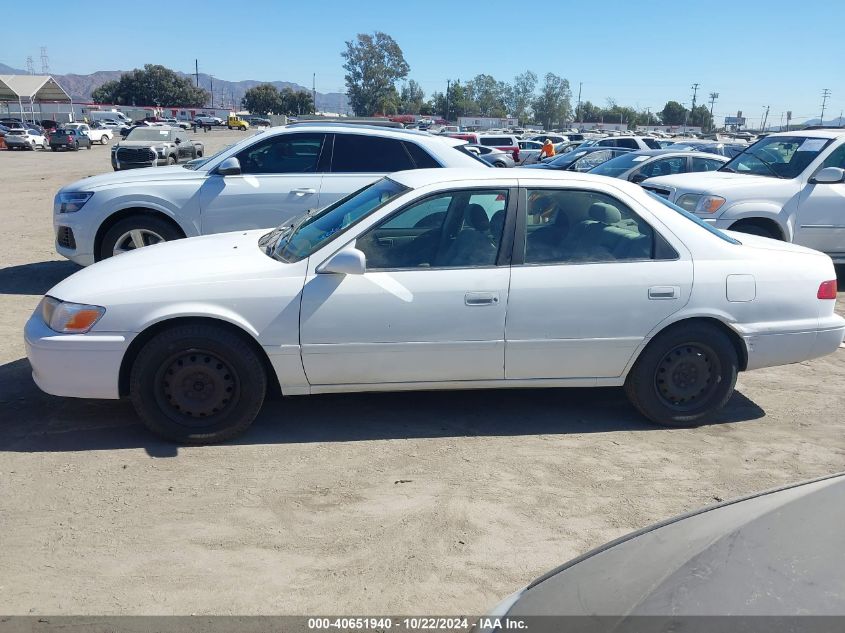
{"type": "Point", "coordinates": [135, 232]}
{"type": "Point", "coordinates": [104, 140]}
{"type": "Point", "coordinates": [171, 160]}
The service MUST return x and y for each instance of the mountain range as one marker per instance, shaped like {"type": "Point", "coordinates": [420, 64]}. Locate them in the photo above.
{"type": "Point", "coordinates": [226, 93]}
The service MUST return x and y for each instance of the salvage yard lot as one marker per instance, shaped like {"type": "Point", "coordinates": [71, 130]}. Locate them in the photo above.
{"type": "Point", "coordinates": [413, 503]}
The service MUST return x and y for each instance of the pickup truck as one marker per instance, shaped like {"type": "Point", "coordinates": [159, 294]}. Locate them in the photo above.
{"type": "Point", "coordinates": [99, 135]}
{"type": "Point", "coordinates": [788, 186]}
{"type": "Point", "coordinates": [154, 145]}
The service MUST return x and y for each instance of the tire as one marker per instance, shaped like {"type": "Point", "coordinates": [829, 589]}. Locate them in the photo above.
{"type": "Point", "coordinates": [76, 146]}
{"type": "Point", "coordinates": [197, 384]}
{"type": "Point", "coordinates": [89, 146]}
{"type": "Point", "coordinates": [171, 160]}
{"type": "Point", "coordinates": [754, 228]}
{"type": "Point", "coordinates": [684, 375]}
{"type": "Point", "coordinates": [104, 140]}
{"type": "Point", "coordinates": [229, 127]}
{"type": "Point", "coordinates": [152, 230]}
{"type": "Point", "coordinates": [499, 163]}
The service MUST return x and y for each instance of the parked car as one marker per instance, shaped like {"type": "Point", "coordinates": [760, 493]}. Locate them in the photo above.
{"type": "Point", "coordinates": [637, 166]}
{"type": "Point", "coordinates": [428, 287]}
{"type": "Point", "coordinates": [256, 183]}
{"type": "Point", "coordinates": [24, 139]}
{"type": "Point", "coordinates": [108, 115]}
{"type": "Point", "coordinates": [629, 142]}
{"type": "Point", "coordinates": [713, 147]}
{"type": "Point", "coordinates": [68, 138]}
{"type": "Point", "coordinates": [204, 120]}
{"type": "Point", "coordinates": [504, 142]}
{"type": "Point", "coordinates": [582, 159]}
{"type": "Point", "coordinates": [113, 125]}
{"type": "Point", "coordinates": [529, 152]}
{"type": "Point", "coordinates": [759, 561]}
{"type": "Point", "coordinates": [491, 155]}
{"type": "Point", "coordinates": [787, 186]}
{"type": "Point", "coordinates": [554, 138]}
{"type": "Point", "coordinates": [151, 146]}
{"type": "Point", "coordinates": [97, 135]}
{"type": "Point", "coordinates": [257, 121]}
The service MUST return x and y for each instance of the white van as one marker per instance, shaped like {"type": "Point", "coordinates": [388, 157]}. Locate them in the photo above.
{"type": "Point", "coordinates": [106, 115]}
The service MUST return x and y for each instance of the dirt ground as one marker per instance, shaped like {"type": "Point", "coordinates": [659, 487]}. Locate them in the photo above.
{"type": "Point", "coordinates": [368, 504]}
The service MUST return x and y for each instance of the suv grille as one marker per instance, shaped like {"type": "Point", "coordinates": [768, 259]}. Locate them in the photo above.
{"type": "Point", "coordinates": [135, 155]}
{"type": "Point", "coordinates": [64, 237]}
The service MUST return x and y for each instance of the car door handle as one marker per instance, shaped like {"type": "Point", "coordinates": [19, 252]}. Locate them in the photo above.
{"type": "Point", "coordinates": [664, 292]}
{"type": "Point", "coordinates": [303, 192]}
{"type": "Point", "coordinates": [481, 298]}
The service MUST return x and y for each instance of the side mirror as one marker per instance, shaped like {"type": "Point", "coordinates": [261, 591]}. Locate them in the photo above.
{"type": "Point", "coordinates": [637, 178]}
{"type": "Point", "coordinates": [349, 261]}
{"type": "Point", "coordinates": [229, 167]}
{"type": "Point", "coordinates": [828, 176]}
{"type": "Point", "coordinates": [177, 140]}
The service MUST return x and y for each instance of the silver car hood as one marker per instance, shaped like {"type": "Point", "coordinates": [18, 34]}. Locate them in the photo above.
{"type": "Point", "coordinates": [146, 175]}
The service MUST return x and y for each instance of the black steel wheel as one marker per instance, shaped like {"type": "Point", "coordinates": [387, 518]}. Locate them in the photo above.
{"type": "Point", "coordinates": [684, 375]}
{"type": "Point", "coordinates": [198, 383]}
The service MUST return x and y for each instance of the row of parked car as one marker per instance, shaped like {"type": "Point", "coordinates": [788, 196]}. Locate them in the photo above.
{"type": "Point", "coordinates": [71, 136]}
{"type": "Point", "coordinates": [443, 272]}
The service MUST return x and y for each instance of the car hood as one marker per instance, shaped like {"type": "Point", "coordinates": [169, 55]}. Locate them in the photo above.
{"type": "Point", "coordinates": [717, 182]}
{"type": "Point", "coordinates": [759, 556]}
{"type": "Point", "coordinates": [126, 143]}
{"type": "Point", "coordinates": [172, 268]}
{"type": "Point", "coordinates": [145, 175]}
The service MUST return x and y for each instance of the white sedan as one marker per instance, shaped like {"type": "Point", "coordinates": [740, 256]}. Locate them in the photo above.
{"type": "Point", "coordinates": [438, 279]}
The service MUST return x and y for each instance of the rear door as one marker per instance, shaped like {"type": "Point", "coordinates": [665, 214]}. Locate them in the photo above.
{"type": "Point", "coordinates": [590, 279]}
{"type": "Point", "coordinates": [281, 177]}
{"type": "Point", "coordinates": [359, 159]}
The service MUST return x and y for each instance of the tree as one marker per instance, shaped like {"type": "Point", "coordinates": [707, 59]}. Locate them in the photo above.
{"type": "Point", "coordinates": [458, 102]}
{"type": "Point", "coordinates": [154, 85]}
{"type": "Point", "coordinates": [411, 98]}
{"type": "Point", "coordinates": [521, 93]}
{"type": "Point", "coordinates": [295, 102]}
{"type": "Point", "coordinates": [700, 116]}
{"type": "Point", "coordinates": [263, 99]}
{"type": "Point", "coordinates": [673, 113]}
{"type": "Point", "coordinates": [374, 63]}
{"type": "Point", "coordinates": [487, 96]}
{"type": "Point", "coordinates": [553, 105]}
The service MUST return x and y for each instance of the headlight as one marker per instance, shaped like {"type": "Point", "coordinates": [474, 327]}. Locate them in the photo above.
{"type": "Point", "coordinates": [698, 203]}
{"type": "Point", "coordinates": [72, 201]}
{"type": "Point", "coordinates": [688, 201]}
{"type": "Point", "coordinates": [69, 318]}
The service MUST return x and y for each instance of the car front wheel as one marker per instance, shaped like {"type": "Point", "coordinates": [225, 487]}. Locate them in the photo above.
{"type": "Point", "coordinates": [135, 232]}
{"type": "Point", "coordinates": [198, 384]}
{"type": "Point", "coordinates": [684, 375]}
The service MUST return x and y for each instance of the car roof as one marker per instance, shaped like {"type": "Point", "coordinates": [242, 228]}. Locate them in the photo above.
{"type": "Point", "coordinates": [811, 133]}
{"type": "Point", "coordinates": [417, 178]}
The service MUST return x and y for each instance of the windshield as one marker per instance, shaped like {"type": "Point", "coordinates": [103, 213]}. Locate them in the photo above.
{"type": "Point", "coordinates": [694, 218]}
{"type": "Point", "coordinates": [566, 159]}
{"type": "Point", "coordinates": [199, 162]}
{"type": "Point", "coordinates": [307, 232]}
{"type": "Point", "coordinates": [777, 156]}
{"type": "Point", "coordinates": [150, 134]}
{"type": "Point", "coordinates": [619, 165]}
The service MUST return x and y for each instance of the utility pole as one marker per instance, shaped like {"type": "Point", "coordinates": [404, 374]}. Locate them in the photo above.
{"type": "Point", "coordinates": [197, 71]}
{"type": "Point", "coordinates": [45, 62]}
{"type": "Point", "coordinates": [30, 69]}
{"type": "Point", "coordinates": [825, 97]}
{"type": "Point", "coordinates": [713, 97]}
{"type": "Point", "coordinates": [578, 107]}
{"type": "Point", "coordinates": [765, 118]}
{"type": "Point", "coordinates": [314, 90]}
{"type": "Point", "coordinates": [211, 79]}
{"type": "Point", "coordinates": [446, 114]}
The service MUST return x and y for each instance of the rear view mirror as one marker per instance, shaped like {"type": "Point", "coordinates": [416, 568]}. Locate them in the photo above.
{"type": "Point", "coordinates": [229, 167]}
{"type": "Point", "coordinates": [349, 261]}
{"type": "Point", "coordinates": [828, 176]}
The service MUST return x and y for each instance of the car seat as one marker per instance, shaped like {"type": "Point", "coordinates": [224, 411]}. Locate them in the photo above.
{"type": "Point", "coordinates": [471, 246]}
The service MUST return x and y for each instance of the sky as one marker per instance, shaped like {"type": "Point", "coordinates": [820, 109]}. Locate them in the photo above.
{"type": "Point", "coordinates": [640, 53]}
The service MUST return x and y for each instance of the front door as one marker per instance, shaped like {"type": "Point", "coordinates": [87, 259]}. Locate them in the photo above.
{"type": "Point", "coordinates": [280, 178]}
{"type": "Point", "coordinates": [431, 306]}
{"type": "Point", "coordinates": [590, 280]}
{"type": "Point", "coordinates": [821, 211]}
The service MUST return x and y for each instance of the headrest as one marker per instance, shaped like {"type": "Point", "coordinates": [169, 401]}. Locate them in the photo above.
{"type": "Point", "coordinates": [605, 213]}
{"type": "Point", "coordinates": [476, 217]}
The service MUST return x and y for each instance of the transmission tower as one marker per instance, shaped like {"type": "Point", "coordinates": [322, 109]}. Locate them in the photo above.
{"type": "Point", "coordinates": [825, 97]}
{"type": "Point", "coordinates": [29, 67]}
{"type": "Point", "coordinates": [45, 61]}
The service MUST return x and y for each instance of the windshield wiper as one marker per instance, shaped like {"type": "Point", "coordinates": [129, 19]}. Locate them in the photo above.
{"type": "Point", "coordinates": [767, 164]}
{"type": "Point", "coordinates": [291, 233]}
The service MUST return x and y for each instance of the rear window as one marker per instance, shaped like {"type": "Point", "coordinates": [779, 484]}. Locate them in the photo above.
{"type": "Point", "coordinates": [421, 158]}
{"type": "Point", "coordinates": [496, 141]}
{"type": "Point", "coordinates": [356, 153]}
{"type": "Point", "coordinates": [652, 143]}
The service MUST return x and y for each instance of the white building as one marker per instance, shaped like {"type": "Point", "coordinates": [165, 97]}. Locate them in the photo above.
{"type": "Point", "coordinates": [486, 122]}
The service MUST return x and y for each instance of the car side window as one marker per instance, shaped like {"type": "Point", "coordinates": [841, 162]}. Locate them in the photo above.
{"type": "Point", "coordinates": [357, 153]}
{"type": "Point", "coordinates": [283, 154]}
{"type": "Point", "coordinates": [836, 158]}
{"type": "Point", "coordinates": [577, 226]}
{"type": "Point", "coordinates": [627, 142]}
{"type": "Point", "coordinates": [422, 159]}
{"type": "Point", "coordinates": [458, 229]}
{"type": "Point", "coordinates": [705, 164]}
{"type": "Point", "coordinates": [664, 167]}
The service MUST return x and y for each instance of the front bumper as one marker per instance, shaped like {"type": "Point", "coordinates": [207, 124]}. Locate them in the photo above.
{"type": "Point", "coordinates": [75, 365]}
{"type": "Point", "coordinates": [83, 238]}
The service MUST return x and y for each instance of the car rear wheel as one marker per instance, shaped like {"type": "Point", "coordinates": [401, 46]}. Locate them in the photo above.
{"type": "Point", "coordinates": [76, 146]}
{"type": "Point", "coordinates": [104, 140]}
{"type": "Point", "coordinates": [171, 160]}
{"type": "Point", "coordinates": [197, 384]}
{"type": "Point", "coordinates": [684, 375]}
{"type": "Point", "coordinates": [135, 232]}
{"type": "Point", "coordinates": [499, 163]}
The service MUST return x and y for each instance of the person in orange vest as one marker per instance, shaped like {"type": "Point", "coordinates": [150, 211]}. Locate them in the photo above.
{"type": "Point", "coordinates": [548, 150]}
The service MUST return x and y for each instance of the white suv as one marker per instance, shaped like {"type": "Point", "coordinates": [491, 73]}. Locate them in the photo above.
{"type": "Point", "coordinates": [788, 186]}
{"type": "Point", "coordinates": [630, 142]}
{"type": "Point", "coordinates": [257, 183]}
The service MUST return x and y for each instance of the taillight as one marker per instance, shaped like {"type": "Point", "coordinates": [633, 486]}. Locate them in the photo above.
{"type": "Point", "coordinates": [69, 139]}
{"type": "Point", "coordinates": [516, 154]}
{"type": "Point", "coordinates": [827, 290]}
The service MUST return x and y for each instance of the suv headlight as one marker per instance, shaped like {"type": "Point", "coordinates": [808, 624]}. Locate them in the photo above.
{"type": "Point", "coordinates": [69, 318]}
{"type": "Point", "coordinates": [698, 203]}
{"type": "Point", "coordinates": [72, 201]}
